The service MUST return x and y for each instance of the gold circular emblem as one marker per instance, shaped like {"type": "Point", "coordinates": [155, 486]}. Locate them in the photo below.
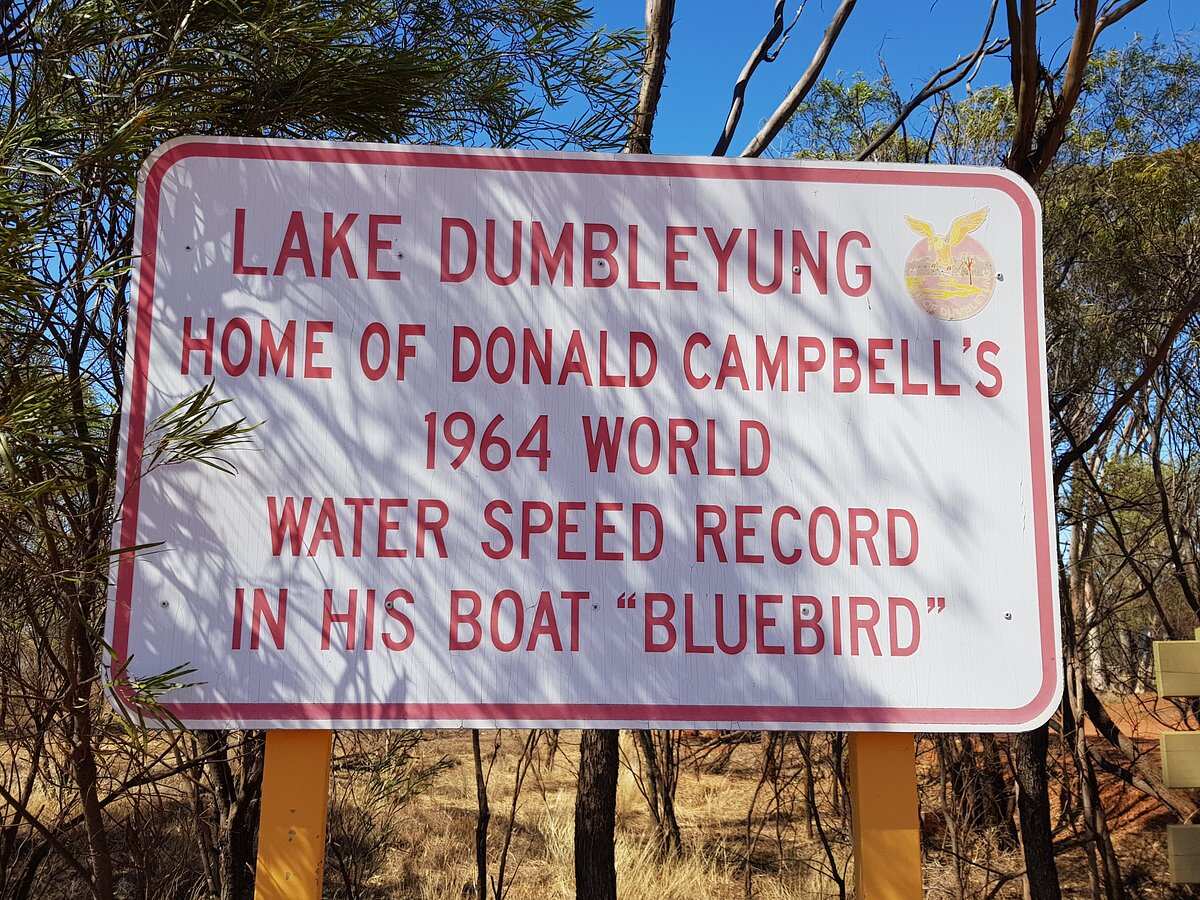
{"type": "Point", "coordinates": [950, 276]}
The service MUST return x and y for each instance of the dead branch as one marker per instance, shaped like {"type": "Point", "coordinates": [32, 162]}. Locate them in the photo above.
{"type": "Point", "coordinates": [1122, 401]}
{"type": "Point", "coordinates": [942, 81]}
{"type": "Point", "coordinates": [1113, 13]}
{"type": "Point", "coordinates": [799, 91]}
{"type": "Point", "coordinates": [766, 51]}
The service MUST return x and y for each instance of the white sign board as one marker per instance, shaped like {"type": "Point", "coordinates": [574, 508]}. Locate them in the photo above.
{"type": "Point", "coordinates": [563, 439]}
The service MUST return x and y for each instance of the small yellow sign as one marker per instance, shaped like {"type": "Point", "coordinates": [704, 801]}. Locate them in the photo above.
{"type": "Point", "coordinates": [1180, 758]}
{"type": "Point", "coordinates": [1183, 853]}
{"type": "Point", "coordinates": [1177, 668]}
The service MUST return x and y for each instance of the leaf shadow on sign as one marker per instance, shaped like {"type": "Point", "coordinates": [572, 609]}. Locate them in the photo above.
{"type": "Point", "coordinates": [349, 436]}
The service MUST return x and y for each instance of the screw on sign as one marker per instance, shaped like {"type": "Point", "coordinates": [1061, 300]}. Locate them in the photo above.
{"type": "Point", "coordinates": [749, 444]}
{"type": "Point", "coordinates": [1177, 674]}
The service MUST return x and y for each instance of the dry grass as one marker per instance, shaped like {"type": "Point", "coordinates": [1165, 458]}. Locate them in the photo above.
{"type": "Point", "coordinates": [423, 849]}
{"type": "Point", "coordinates": [430, 854]}
{"type": "Point", "coordinates": [433, 856]}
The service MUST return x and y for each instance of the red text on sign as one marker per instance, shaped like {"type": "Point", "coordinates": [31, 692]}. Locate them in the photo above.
{"type": "Point", "coordinates": [778, 624]}
{"type": "Point", "coordinates": [357, 526]}
{"type": "Point", "coordinates": [506, 624]}
{"type": "Point", "coordinates": [304, 247]}
{"type": "Point", "coordinates": [260, 348]}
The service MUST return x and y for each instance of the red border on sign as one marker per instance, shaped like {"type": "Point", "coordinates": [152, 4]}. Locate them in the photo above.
{"type": "Point", "coordinates": [150, 195]}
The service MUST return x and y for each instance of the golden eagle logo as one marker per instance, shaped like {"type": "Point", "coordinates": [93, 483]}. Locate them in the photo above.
{"type": "Point", "coordinates": [950, 275]}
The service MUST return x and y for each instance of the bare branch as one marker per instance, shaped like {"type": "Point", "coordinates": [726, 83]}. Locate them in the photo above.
{"type": "Point", "coordinates": [800, 90]}
{"type": "Point", "coordinates": [762, 53]}
{"type": "Point", "coordinates": [47, 834]}
{"type": "Point", "coordinates": [941, 81]}
{"type": "Point", "coordinates": [1113, 13]}
{"type": "Point", "coordinates": [1122, 401]}
{"type": "Point", "coordinates": [660, 15]}
{"type": "Point", "coordinates": [1166, 514]}
{"type": "Point", "coordinates": [1150, 783]}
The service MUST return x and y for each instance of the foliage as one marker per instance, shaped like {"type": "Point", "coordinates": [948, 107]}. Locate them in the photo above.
{"type": "Point", "coordinates": [89, 88]}
{"type": "Point", "coordinates": [1121, 210]}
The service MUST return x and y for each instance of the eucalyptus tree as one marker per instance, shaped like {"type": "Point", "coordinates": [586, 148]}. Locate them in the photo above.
{"type": "Point", "coordinates": [1122, 279]}
{"type": "Point", "coordinates": [87, 802]}
{"type": "Point", "coordinates": [1033, 116]}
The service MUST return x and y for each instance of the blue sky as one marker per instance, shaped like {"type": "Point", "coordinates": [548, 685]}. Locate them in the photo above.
{"type": "Point", "coordinates": [712, 40]}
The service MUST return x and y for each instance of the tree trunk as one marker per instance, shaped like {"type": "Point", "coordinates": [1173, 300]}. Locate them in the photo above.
{"type": "Point", "coordinates": [83, 762]}
{"type": "Point", "coordinates": [670, 835]}
{"type": "Point", "coordinates": [1090, 799]}
{"type": "Point", "coordinates": [646, 740]}
{"type": "Point", "coordinates": [661, 773]}
{"type": "Point", "coordinates": [1097, 674]}
{"type": "Point", "coordinates": [238, 856]}
{"type": "Point", "coordinates": [1033, 809]}
{"type": "Point", "coordinates": [236, 794]}
{"type": "Point", "coordinates": [997, 799]}
{"type": "Point", "coordinates": [483, 817]}
{"type": "Point", "coordinates": [596, 816]}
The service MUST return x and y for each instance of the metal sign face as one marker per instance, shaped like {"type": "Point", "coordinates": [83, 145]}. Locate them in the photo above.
{"type": "Point", "coordinates": [564, 439]}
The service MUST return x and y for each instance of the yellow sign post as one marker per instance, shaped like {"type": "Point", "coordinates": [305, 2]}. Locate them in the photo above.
{"type": "Point", "coordinates": [291, 831]}
{"type": "Point", "coordinates": [887, 829]}
{"type": "Point", "coordinates": [1177, 674]}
